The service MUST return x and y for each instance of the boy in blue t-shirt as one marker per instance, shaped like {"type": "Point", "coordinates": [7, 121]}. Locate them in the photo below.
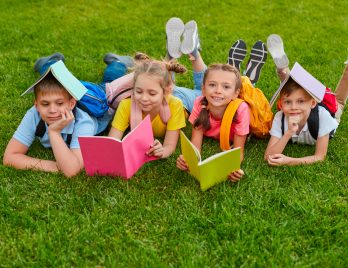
{"type": "Point", "coordinates": [63, 121]}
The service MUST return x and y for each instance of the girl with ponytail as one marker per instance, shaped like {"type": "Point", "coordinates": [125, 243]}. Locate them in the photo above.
{"type": "Point", "coordinates": [152, 89]}
{"type": "Point", "coordinates": [221, 85]}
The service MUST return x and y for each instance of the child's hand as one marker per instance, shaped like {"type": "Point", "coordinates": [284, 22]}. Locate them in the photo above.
{"type": "Point", "coordinates": [181, 163]}
{"type": "Point", "coordinates": [156, 149]}
{"type": "Point", "coordinates": [235, 176]}
{"type": "Point", "coordinates": [67, 118]}
{"type": "Point", "coordinates": [294, 122]}
{"type": "Point", "coordinates": [278, 160]}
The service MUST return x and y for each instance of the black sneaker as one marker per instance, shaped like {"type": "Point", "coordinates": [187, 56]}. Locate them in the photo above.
{"type": "Point", "coordinates": [258, 57]}
{"type": "Point", "coordinates": [237, 53]}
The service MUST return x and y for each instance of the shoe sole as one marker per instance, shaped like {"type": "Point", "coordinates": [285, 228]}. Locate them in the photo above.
{"type": "Point", "coordinates": [258, 57]}
{"type": "Point", "coordinates": [38, 64]}
{"type": "Point", "coordinates": [174, 30]}
{"type": "Point", "coordinates": [276, 49]}
{"type": "Point", "coordinates": [237, 53]}
{"type": "Point", "coordinates": [126, 60]}
{"type": "Point", "coordinates": [189, 38]}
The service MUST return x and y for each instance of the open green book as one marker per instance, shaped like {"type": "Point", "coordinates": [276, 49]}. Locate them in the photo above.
{"type": "Point", "coordinates": [212, 170]}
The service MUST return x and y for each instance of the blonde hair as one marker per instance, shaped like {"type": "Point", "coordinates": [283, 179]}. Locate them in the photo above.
{"type": "Point", "coordinates": [160, 69]}
{"type": "Point", "coordinates": [203, 117]}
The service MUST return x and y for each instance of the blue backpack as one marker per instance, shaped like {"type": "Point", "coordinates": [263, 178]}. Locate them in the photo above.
{"type": "Point", "coordinates": [94, 101]}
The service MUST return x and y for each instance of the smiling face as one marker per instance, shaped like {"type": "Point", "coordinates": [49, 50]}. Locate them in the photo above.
{"type": "Point", "coordinates": [148, 93]}
{"type": "Point", "coordinates": [298, 103]}
{"type": "Point", "coordinates": [51, 105]}
{"type": "Point", "coordinates": [220, 88]}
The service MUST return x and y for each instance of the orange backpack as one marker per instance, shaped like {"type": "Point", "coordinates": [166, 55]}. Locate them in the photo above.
{"type": "Point", "coordinates": [261, 115]}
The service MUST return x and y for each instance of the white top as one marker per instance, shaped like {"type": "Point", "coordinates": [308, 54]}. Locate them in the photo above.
{"type": "Point", "coordinates": [326, 124]}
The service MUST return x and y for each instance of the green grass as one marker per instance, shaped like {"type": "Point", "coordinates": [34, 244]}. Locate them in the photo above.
{"type": "Point", "coordinates": [274, 217]}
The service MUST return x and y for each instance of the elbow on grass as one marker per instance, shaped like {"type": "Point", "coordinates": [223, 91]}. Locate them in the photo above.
{"type": "Point", "coordinates": [70, 173]}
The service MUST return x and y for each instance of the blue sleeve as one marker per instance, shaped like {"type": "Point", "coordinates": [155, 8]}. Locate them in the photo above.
{"type": "Point", "coordinates": [25, 132]}
{"type": "Point", "coordinates": [84, 126]}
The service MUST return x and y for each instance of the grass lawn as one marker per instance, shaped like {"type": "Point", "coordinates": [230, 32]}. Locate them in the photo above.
{"type": "Point", "coordinates": [274, 217]}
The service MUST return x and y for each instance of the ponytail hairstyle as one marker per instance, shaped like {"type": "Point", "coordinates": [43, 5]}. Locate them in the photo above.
{"type": "Point", "coordinates": [203, 117]}
{"type": "Point", "coordinates": [159, 69]}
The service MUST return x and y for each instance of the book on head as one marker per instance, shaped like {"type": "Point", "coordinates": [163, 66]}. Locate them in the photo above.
{"type": "Point", "coordinates": [212, 170]}
{"type": "Point", "coordinates": [110, 156]}
{"type": "Point", "coordinates": [65, 77]}
{"type": "Point", "coordinates": [308, 82]}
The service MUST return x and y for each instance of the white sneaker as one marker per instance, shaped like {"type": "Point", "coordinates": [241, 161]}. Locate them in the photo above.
{"type": "Point", "coordinates": [174, 30]}
{"type": "Point", "coordinates": [276, 49]}
{"type": "Point", "coordinates": [190, 43]}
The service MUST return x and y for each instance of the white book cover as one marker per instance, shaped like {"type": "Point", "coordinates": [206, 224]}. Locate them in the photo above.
{"type": "Point", "coordinates": [309, 83]}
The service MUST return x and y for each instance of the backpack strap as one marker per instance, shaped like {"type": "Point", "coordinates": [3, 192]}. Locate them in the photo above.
{"type": "Point", "coordinates": [226, 123]}
{"type": "Point", "coordinates": [165, 111]}
{"type": "Point", "coordinates": [135, 115]}
{"type": "Point", "coordinates": [313, 122]}
{"type": "Point", "coordinates": [41, 129]}
{"type": "Point", "coordinates": [282, 124]}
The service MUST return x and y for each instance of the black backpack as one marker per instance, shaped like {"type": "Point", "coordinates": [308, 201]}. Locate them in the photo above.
{"type": "Point", "coordinates": [313, 121]}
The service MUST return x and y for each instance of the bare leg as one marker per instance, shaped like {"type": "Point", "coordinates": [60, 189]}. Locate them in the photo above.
{"type": "Point", "coordinates": [342, 93]}
{"type": "Point", "coordinates": [283, 73]}
{"type": "Point", "coordinates": [198, 64]}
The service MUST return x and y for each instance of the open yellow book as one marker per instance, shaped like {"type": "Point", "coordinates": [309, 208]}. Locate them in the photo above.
{"type": "Point", "coordinates": [212, 170]}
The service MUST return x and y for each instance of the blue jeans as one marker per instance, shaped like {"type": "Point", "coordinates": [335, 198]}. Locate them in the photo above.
{"type": "Point", "coordinates": [188, 96]}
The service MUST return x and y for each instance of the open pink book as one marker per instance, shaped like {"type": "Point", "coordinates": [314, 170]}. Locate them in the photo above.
{"type": "Point", "coordinates": [110, 156]}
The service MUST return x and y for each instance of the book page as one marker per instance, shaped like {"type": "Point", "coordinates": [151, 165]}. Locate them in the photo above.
{"type": "Point", "coordinates": [191, 155]}
{"type": "Point", "coordinates": [136, 144]}
{"type": "Point", "coordinates": [216, 168]}
{"type": "Point", "coordinates": [69, 82]}
{"type": "Point", "coordinates": [103, 156]}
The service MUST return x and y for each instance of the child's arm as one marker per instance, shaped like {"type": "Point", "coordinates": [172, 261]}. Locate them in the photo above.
{"type": "Point", "coordinates": [114, 132]}
{"type": "Point", "coordinates": [319, 155]}
{"type": "Point", "coordinates": [69, 161]}
{"type": "Point", "coordinates": [168, 147]}
{"type": "Point", "coordinates": [15, 156]}
{"type": "Point", "coordinates": [277, 145]}
{"type": "Point", "coordinates": [238, 141]}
